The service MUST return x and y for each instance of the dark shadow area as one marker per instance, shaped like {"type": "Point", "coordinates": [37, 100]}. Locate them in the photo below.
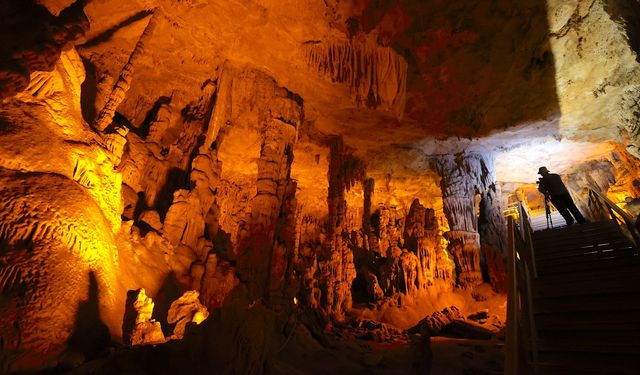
{"type": "Point", "coordinates": [107, 34]}
{"type": "Point", "coordinates": [627, 11]}
{"type": "Point", "coordinates": [88, 92]}
{"type": "Point", "coordinates": [473, 66]}
{"type": "Point", "coordinates": [32, 39]}
{"type": "Point", "coordinates": [169, 292]}
{"type": "Point", "coordinates": [176, 179]}
{"type": "Point", "coordinates": [90, 335]}
{"type": "Point", "coordinates": [129, 318]}
{"type": "Point", "coordinates": [141, 206]}
{"type": "Point", "coordinates": [151, 115]}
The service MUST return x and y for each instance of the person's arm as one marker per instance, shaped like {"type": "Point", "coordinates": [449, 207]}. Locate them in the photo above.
{"type": "Point", "coordinates": [542, 187]}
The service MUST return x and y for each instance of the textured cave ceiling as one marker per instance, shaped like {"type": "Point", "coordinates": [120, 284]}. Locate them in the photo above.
{"type": "Point", "coordinates": [498, 75]}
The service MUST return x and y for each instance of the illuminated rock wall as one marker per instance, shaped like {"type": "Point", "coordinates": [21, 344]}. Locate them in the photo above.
{"type": "Point", "coordinates": [60, 211]}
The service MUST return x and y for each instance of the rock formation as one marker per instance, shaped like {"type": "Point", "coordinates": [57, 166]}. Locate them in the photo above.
{"type": "Point", "coordinates": [186, 309]}
{"type": "Point", "coordinates": [284, 166]}
{"type": "Point", "coordinates": [463, 177]}
{"type": "Point", "coordinates": [377, 75]}
{"type": "Point", "coordinates": [138, 328]}
{"type": "Point", "coordinates": [120, 88]}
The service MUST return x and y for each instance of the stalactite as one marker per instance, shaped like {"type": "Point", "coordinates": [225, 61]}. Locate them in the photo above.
{"type": "Point", "coordinates": [376, 75]}
{"type": "Point", "coordinates": [122, 85]}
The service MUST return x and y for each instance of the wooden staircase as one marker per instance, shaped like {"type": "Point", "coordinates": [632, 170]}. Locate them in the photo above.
{"type": "Point", "coordinates": [586, 301]}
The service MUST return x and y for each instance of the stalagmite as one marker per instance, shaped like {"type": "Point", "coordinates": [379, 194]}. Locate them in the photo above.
{"type": "Point", "coordinates": [122, 85]}
{"type": "Point", "coordinates": [138, 327]}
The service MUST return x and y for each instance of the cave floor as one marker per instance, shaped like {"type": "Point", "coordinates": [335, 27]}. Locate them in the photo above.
{"type": "Point", "coordinates": [451, 356]}
{"type": "Point", "coordinates": [466, 356]}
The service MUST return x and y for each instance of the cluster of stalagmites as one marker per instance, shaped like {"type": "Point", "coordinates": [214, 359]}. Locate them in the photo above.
{"type": "Point", "coordinates": [402, 261]}
{"type": "Point", "coordinates": [139, 328]}
{"type": "Point", "coordinates": [202, 195]}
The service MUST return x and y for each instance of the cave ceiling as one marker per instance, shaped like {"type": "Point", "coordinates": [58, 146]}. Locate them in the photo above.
{"type": "Point", "coordinates": [472, 69]}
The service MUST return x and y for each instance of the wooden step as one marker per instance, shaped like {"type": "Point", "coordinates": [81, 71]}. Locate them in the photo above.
{"type": "Point", "coordinates": [577, 249]}
{"type": "Point", "coordinates": [606, 363]}
{"type": "Point", "coordinates": [592, 287]}
{"type": "Point", "coordinates": [628, 338]}
{"type": "Point", "coordinates": [575, 240]}
{"type": "Point", "coordinates": [573, 229]}
{"type": "Point", "coordinates": [591, 257]}
{"type": "Point", "coordinates": [621, 272]}
{"type": "Point", "coordinates": [609, 262]}
{"type": "Point", "coordinates": [556, 369]}
{"type": "Point", "coordinates": [608, 302]}
{"type": "Point", "coordinates": [577, 246]}
{"type": "Point", "coordinates": [602, 320]}
{"type": "Point", "coordinates": [604, 249]}
{"type": "Point", "coordinates": [590, 347]}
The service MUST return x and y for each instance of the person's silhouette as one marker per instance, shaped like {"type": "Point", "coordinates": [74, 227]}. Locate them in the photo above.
{"type": "Point", "coordinates": [551, 185]}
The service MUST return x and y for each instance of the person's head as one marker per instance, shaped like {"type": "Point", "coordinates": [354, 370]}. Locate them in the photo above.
{"type": "Point", "coordinates": [543, 171]}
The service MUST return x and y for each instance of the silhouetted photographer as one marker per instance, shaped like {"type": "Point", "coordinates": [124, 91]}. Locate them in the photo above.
{"type": "Point", "coordinates": [551, 185]}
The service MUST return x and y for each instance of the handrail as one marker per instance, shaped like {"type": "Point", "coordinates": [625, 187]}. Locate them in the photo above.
{"type": "Point", "coordinates": [617, 214]}
{"type": "Point", "coordinates": [521, 331]}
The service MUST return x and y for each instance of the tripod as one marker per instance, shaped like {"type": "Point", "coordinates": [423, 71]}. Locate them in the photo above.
{"type": "Point", "coordinates": [547, 209]}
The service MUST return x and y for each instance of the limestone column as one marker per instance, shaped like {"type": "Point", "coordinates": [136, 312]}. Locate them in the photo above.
{"type": "Point", "coordinates": [459, 175]}
{"type": "Point", "coordinates": [274, 166]}
{"type": "Point", "coordinates": [492, 227]}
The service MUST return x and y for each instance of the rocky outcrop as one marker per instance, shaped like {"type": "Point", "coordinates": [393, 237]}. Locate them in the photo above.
{"type": "Point", "coordinates": [336, 270]}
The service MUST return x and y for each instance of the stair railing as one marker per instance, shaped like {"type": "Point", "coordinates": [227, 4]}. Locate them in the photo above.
{"type": "Point", "coordinates": [521, 354]}
{"type": "Point", "coordinates": [619, 216]}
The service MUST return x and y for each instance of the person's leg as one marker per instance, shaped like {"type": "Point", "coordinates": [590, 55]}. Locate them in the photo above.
{"type": "Point", "coordinates": [561, 206]}
{"type": "Point", "coordinates": [571, 206]}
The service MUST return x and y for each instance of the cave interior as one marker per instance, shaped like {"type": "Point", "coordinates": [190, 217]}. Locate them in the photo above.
{"type": "Point", "coordinates": [293, 187]}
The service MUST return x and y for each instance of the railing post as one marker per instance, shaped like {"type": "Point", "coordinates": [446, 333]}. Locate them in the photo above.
{"type": "Point", "coordinates": [525, 226]}
{"type": "Point", "coordinates": [616, 214]}
{"type": "Point", "coordinates": [511, 344]}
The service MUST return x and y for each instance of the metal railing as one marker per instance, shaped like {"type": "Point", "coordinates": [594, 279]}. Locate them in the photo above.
{"type": "Point", "coordinates": [625, 222]}
{"type": "Point", "coordinates": [521, 352]}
